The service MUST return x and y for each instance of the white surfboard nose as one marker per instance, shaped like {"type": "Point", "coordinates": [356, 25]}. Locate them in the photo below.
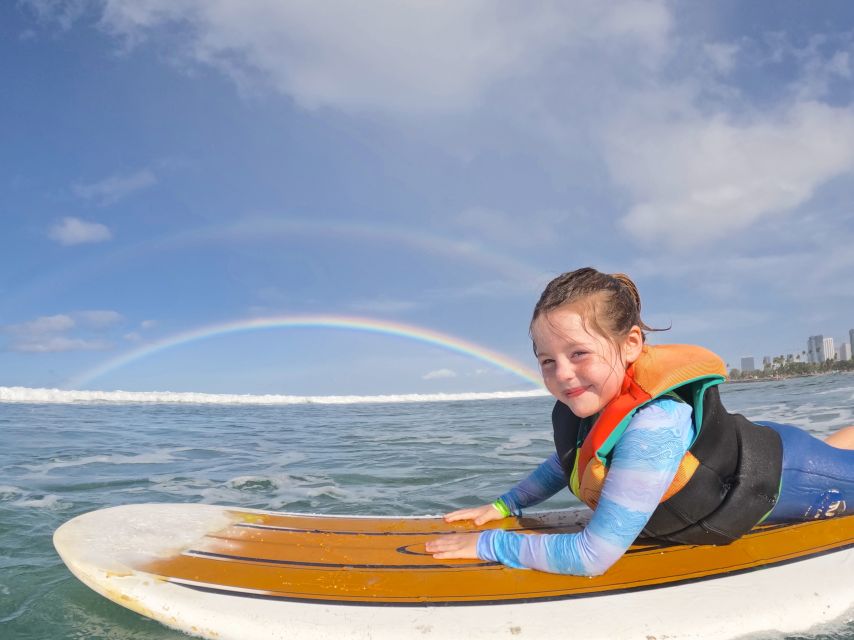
{"type": "Point", "coordinates": [119, 538]}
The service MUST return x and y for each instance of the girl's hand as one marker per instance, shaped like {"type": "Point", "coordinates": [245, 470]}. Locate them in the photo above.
{"type": "Point", "coordinates": [455, 545]}
{"type": "Point", "coordinates": [479, 515]}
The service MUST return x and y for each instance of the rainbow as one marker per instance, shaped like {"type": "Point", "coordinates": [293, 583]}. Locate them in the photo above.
{"type": "Point", "coordinates": [371, 325]}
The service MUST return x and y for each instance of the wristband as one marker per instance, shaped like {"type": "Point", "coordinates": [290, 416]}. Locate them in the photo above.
{"type": "Point", "coordinates": [501, 508]}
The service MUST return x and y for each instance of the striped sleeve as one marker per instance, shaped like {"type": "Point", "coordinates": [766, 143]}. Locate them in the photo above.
{"type": "Point", "coordinates": [643, 465]}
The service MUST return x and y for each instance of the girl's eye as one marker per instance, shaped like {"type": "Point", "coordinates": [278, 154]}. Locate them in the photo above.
{"type": "Point", "coordinates": [546, 362]}
{"type": "Point", "coordinates": [575, 355]}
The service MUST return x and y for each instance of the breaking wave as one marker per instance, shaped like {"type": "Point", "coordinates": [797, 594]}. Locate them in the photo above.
{"type": "Point", "coordinates": [60, 396]}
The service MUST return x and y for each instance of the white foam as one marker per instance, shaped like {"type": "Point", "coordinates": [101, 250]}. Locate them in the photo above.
{"type": "Point", "coordinates": [245, 483]}
{"type": "Point", "coordinates": [17, 497]}
{"type": "Point", "coordinates": [155, 457]}
{"type": "Point", "coordinates": [7, 491]}
{"type": "Point", "coordinates": [48, 501]}
{"type": "Point", "coordinates": [61, 396]}
{"type": "Point", "coordinates": [516, 441]}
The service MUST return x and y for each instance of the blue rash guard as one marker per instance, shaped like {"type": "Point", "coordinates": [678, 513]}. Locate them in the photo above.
{"type": "Point", "coordinates": [817, 482]}
{"type": "Point", "coordinates": [643, 465]}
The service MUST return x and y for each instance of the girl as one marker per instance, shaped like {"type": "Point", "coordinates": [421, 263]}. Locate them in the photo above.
{"type": "Point", "coordinates": [642, 438]}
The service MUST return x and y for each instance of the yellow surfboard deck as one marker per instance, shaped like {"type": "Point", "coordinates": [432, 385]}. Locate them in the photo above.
{"type": "Point", "coordinates": [383, 561]}
{"type": "Point", "coordinates": [244, 555]}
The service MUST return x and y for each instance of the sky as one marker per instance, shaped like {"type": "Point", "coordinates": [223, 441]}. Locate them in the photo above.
{"type": "Point", "coordinates": [368, 197]}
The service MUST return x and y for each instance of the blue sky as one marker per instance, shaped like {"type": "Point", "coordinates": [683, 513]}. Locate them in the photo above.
{"type": "Point", "coordinates": [173, 164]}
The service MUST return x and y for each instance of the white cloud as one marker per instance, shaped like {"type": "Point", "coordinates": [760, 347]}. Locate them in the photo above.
{"type": "Point", "coordinates": [824, 61]}
{"type": "Point", "coordinates": [51, 334]}
{"type": "Point", "coordinates": [613, 87]}
{"type": "Point", "coordinates": [723, 55]}
{"type": "Point", "coordinates": [114, 188]}
{"type": "Point", "coordinates": [64, 12]}
{"type": "Point", "coordinates": [840, 64]}
{"type": "Point", "coordinates": [71, 231]}
{"type": "Point", "coordinates": [55, 344]}
{"type": "Point", "coordinates": [99, 319]}
{"type": "Point", "coordinates": [399, 57]}
{"type": "Point", "coordinates": [696, 178]}
{"type": "Point", "coordinates": [42, 325]}
{"type": "Point", "coordinates": [148, 324]}
{"type": "Point", "coordinates": [439, 374]}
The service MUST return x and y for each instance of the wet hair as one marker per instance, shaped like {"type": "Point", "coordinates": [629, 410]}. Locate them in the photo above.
{"type": "Point", "coordinates": [611, 302]}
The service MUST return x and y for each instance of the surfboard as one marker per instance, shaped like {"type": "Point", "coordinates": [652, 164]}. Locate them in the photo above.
{"type": "Point", "coordinates": [229, 573]}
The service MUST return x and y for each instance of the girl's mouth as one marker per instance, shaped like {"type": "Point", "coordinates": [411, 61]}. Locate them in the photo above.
{"type": "Point", "coordinates": [574, 393]}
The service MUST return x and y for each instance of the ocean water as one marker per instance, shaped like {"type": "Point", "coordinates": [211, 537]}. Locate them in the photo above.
{"type": "Point", "coordinates": [62, 454]}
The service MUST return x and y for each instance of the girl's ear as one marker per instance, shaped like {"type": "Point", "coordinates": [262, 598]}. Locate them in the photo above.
{"type": "Point", "coordinates": [633, 344]}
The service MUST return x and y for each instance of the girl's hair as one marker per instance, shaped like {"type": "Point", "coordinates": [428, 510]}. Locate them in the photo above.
{"type": "Point", "coordinates": [612, 300]}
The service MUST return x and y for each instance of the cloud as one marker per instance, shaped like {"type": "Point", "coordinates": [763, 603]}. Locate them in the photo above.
{"type": "Point", "coordinates": [99, 319]}
{"type": "Point", "coordinates": [699, 178]}
{"type": "Point", "coordinates": [615, 90]}
{"type": "Point", "coordinates": [137, 336]}
{"type": "Point", "coordinates": [114, 188]}
{"type": "Point", "coordinates": [71, 231]}
{"type": "Point", "coordinates": [722, 55]}
{"type": "Point", "coordinates": [439, 374]}
{"type": "Point", "coordinates": [42, 325]}
{"type": "Point", "coordinates": [825, 62]}
{"type": "Point", "coordinates": [385, 55]}
{"type": "Point", "coordinates": [64, 12]}
{"type": "Point", "coordinates": [55, 344]}
{"type": "Point", "coordinates": [51, 334]}
{"type": "Point", "coordinates": [701, 157]}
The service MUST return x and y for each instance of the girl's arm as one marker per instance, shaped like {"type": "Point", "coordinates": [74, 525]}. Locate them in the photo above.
{"type": "Point", "coordinates": [642, 467]}
{"type": "Point", "coordinates": [543, 482]}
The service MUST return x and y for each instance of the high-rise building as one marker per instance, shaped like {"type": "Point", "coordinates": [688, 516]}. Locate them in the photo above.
{"type": "Point", "coordinates": [820, 349]}
{"type": "Point", "coordinates": [828, 350]}
{"type": "Point", "coordinates": [766, 362]}
{"type": "Point", "coordinates": [815, 349]}
{"type": "Point", "coordinates": [843, 351]}
{"type": "Point", "coordinates": [747, 364]}
{"type": "Point", "coordinates": [851, 339]}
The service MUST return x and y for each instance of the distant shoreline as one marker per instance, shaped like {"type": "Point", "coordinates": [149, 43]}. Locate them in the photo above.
{"type": "Point", "coordinates": [784, 376]}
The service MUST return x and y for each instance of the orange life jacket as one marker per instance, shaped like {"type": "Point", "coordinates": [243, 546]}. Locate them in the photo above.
{"type": "Point", "coordinates": [657, 372]}
{"type": "Point", "coordinates": [726, 482]}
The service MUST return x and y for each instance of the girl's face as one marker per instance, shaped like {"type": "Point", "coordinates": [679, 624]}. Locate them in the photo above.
{"type": "Point", "coordinates": [581, 368]}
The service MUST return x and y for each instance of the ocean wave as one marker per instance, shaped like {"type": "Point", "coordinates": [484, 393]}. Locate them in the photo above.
{"type": "Point", "coordinates": [27, 395]}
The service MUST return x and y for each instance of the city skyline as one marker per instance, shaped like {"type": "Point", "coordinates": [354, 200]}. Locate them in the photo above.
{"type": "Point", "coordinates": [818, 346]}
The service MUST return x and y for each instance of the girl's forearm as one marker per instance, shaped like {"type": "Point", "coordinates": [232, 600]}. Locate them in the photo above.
{"type": "Point", "coordinates": [545, 481]}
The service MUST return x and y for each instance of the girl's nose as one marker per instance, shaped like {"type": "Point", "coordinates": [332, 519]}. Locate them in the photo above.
{"type": "Point", "coordinates": [564, 369]}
